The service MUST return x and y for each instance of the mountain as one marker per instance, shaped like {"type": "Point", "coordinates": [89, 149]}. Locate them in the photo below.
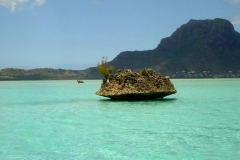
{"type": "Point", "coordinates": [199, 48]}
{"type": "Point", "coordinates": [208, 48]}
{"type": "Point", "coordinates": [199, 45]}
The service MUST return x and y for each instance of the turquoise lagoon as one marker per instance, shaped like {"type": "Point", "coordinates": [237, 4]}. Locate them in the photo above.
{"type": "Point", "coordinates": [66, 120]}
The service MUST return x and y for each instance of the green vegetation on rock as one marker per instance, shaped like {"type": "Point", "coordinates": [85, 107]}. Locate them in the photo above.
{"type": "Point", "coordinates": [104, 69]}
{"type": "Point", "coordinates": [142, 72]}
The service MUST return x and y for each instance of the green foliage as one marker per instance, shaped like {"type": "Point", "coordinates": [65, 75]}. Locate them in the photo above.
{"type": "Point", "coordinates": [142, 72]}
{"type": "Point", "coordinates": [122, 78]}
{"type": "Point", "coordinates": [104, 69]}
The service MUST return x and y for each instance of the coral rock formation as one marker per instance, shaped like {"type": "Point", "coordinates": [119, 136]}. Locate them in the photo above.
{"type": "Point", "coordinates": [129, 85]}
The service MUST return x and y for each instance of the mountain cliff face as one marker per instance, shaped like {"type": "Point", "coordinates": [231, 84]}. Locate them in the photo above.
{"type": "Point", "coordinates": [199, 45]}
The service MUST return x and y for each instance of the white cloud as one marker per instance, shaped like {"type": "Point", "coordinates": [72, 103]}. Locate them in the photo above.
{"type": "Point", "coordinates": [232, 1]}
{"type": "Point", "coordinates": [13, 4]}
{"type": "Point", "coordinates": [235, 20]}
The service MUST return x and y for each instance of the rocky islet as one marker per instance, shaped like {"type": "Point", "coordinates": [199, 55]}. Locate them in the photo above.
{"type": "Point", "coordinates": [129, 85]}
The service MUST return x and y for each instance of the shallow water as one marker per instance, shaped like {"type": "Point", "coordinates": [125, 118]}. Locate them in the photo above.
{"type": "Point", "coordinates": [66, 120]}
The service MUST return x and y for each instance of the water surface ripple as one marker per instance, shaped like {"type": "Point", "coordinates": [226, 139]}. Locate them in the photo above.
{"type": "Point", "coordinates": [66, 120]}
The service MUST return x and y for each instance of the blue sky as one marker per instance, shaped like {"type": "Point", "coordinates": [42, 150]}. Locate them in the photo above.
{"type": "Point", "coordinates": [75, 34]}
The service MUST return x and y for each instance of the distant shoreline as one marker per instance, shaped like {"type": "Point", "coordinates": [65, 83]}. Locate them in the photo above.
{"type": "Point", "coordinates": [14, 74]}
{"type": "Point", "coordinates": [101, 79]}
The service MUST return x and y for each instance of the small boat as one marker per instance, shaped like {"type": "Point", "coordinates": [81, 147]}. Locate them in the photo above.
{"type": "Point", "coordinates": [79, 81]}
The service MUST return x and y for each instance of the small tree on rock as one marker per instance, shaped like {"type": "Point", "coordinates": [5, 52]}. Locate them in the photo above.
{"type": "Point", "coordinates": [104, 69]}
